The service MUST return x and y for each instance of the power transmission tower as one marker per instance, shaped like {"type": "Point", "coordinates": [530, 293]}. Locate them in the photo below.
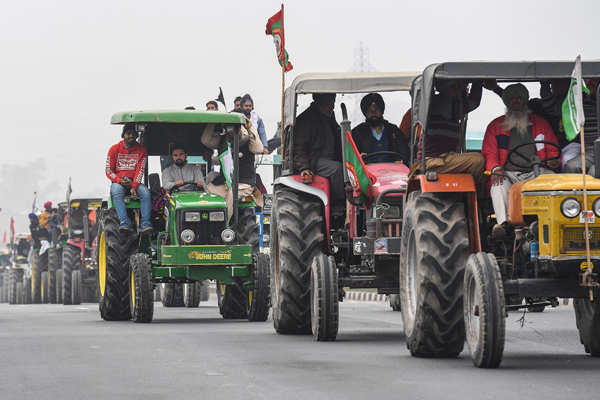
{"type": "Point", "coordinates": [361, 63]}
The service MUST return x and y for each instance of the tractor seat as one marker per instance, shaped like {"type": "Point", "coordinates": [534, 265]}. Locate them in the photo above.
{"type": "Point", "coordinates": [515, 208]}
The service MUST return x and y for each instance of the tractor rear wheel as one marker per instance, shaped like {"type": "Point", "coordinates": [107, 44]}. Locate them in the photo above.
{"type": "Point", "coordinates": [259, 298]}
{"type": "Point", "coordinates": [172, 295]}
{"type": "Point", "coordinates": [141, 290]}
{"type": "Point", "coordinates": [297, 232]}
{"type": "Point", "coordinates": [324, 306]}
{"type": "Point", "coordinates": [44, 288]}
{"type": "Point", "coordinates": [233, 302]}
{"type": "Point", "coordinates": [53, 266]}
{"type": "Point", "coordinates": [484, 311]}
{"type": "Point", "coordinates": [191, 294]}
{"type": "Point", "coordinates": [587, 317]}
{"type": "Point", "coordinates": [434, 252]}
{"type": "Point", "coordinates": [58, 283]}
{"type": "Point", "coordinates": [36, 278]}
{"type": "Point", "coordinates": [71, 263]}
{"type": "Point", "coordinates": [76, 287]}
{"type": "Point", "coordinates": [114, 251]}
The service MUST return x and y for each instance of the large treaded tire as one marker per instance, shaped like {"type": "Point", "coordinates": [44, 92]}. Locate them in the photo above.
{"type": "Point", "coordinates": [324, 306]}
{"type": "Point", "coordinates": [434, 252]}
{"type": "Point", "coordinates": [76, 287]}
{"type": "Point", "coordinates": [12, 286]}
{"type": "Point", "coordinates": [19, 292]}
{"type": "Point", "coordinates": [297, 232]}
{"type": "Point", "coordinates": [58, 283]}
{"type": "Point", "coordinates": [587, 317]}
{"type": "Point", "coordinates": [484, 310]}
{"type": "Point", "coordinates": [44, 288]}
{"type": "Point", "coordinates": [71, 262]}
{"type": "Point", "coordinates": [191, 294]}
{"type": "Point", "coordinates": [114, 251]}
{"type": "Point", "coordinates": [36, 278]}
{"type": "Point", "coordinates": [141, 288]}
{"type": "Point", "coordinates": [172, 295]}
{"type": "Point", "coordinates": [204, 290]}
{"type": "Point", "coordinates": [53, 266]}
{"type": "Point", "coordinates": [234, 302]}
{"type": "Point", "coordinates": [26, 290]}
{"type": "Point", "coordinates": [260, 301]}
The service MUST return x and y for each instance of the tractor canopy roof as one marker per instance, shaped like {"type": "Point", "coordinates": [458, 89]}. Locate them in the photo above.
{"type": "Point", "coordinates": [519, 71]}
{"type": "Point", "coordinates": [344, 83]}
{"type": "Point", "coordinates": [162, 129]}
{"type": "Point", "coordinates": [92, 203]}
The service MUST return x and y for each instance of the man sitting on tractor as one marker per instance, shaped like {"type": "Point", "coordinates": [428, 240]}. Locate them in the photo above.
{"type": "Point", "coordinates": [378, 135]}
{"type": "Point", "coordinates": [516, 128]}
{"type": "Point", "coordinates": [125, 166]}
{"type": "Point", "coordinates": [180, 173]}
{"type": "Point", "coordinates": [317, 145]}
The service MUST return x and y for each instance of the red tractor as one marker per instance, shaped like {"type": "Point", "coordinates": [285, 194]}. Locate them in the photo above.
{"type": "Point", "coordinates": [318, 249]}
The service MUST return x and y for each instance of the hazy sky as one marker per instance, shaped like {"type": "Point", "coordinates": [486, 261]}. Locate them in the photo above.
{"type": "Point", "coordinates": [66, 66]}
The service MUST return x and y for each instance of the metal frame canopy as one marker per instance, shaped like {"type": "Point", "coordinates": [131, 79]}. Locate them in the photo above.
{"type": "Point", "coordinates": [344, 83]}
{"type": "Point", "coordinates": [521, 71]}
{"type": "Point", "coordinates": [164, 128]}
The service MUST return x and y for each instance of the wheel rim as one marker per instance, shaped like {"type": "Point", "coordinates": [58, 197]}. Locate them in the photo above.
{"type": "Point", "coordinates": [132, 285]}
{"type": "Point", "coordinates": [473, 310]}
{"type": "Point", "coordinates": [102, 263]}
{"type": "Point", "coordinates": [411, 277]}
{"type": "Point", "coordinates": [250, 297]}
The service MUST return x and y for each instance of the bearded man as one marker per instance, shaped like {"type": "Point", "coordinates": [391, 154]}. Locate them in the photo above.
{"type": "Point", "coordinates": [377, 135]}
{"type": "Point", "coordinates": [516, 127]}
{"type": "Point", "coordinates": [181, 174]}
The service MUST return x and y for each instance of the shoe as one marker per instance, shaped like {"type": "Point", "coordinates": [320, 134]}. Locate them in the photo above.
{"type": "Point", "coordinates": [146, 229]}
{"type": "Point", "coordinates": [125, 228]}
{"type": "Point", "coordinates": [498, 231]}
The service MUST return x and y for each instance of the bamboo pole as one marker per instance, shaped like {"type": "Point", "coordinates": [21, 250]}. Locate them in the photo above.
{"type": "Point", "coordinates": [588, 269]}
{"type": "Point", "coordinates": [282, 108]}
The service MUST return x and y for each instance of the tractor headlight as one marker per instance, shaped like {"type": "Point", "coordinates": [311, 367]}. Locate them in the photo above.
{"type": "Point", "coordinates": [192, 216]}
{"type": "Point", "coordinates": [216, 216]}
{"type": "Point", "coordinates": [596, 207]}
{"type": "Point", "coordinates": [228, 235]}
{"type": "Point", "coordinates": [187, 236]}
{"type": "Point", "coordinates": [570, 207]}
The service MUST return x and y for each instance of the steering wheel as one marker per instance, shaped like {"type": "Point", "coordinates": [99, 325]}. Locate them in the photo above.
{"type": "Point", "coordinates": [369, 156]}
{"type": "Point", "coordinates": [186, 187]}
{"type": "Point", "coordinates": [530, 163]}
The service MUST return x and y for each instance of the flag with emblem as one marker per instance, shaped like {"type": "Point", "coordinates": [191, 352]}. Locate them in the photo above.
{"type": "Point", "coordinates": [275, 28]}
{"type": "Point", "coordinates": [360, 178]}
{"type": "Point", "coordinates": [572, 107]}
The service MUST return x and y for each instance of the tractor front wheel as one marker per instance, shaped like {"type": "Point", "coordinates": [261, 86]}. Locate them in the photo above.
{"type": "Point", "coordinates": [76, 287]}
{"type": "Point", "coordinates": [71, 263]}
{"type": "Point", "coordinates": [587, 317]}
{"type": "Point", "coordinates": [259, 298]}
{"type": "Point", "coordinates": [141, 288]}
{"type": "Point", "coordinates": [233, 300]}
{"type": "Point", "coordinates": [58, 283]}
{"type": "Point", "coordinates": [191, 294]}
{"type": "Point", "coordinates": [172, 295]}
{"type": "Point", "coordinates": [36, 278]}
{"type": "Point", "coordinates": [324, 306]}
{"type": "Point", "coordinates": [434, 252]}
{"type": "Point", "coordinates": [44, 288]}
{"type": "Point", "coordinates": [484, 311]}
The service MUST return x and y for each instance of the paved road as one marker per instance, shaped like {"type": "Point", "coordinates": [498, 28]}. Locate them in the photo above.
{"type": "Point", "coordinates": [67, 352]}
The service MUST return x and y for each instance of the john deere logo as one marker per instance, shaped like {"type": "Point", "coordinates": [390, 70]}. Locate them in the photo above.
{"type": "Point", "coordinates": [195, 255]}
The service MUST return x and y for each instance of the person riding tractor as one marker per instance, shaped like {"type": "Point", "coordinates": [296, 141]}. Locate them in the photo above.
{"type": "Point", "coordinates": [467, 258]}
{"type": "Point", "coordinates": [337, 208]}
{"type": "Point", "coordinates": [194, 237]}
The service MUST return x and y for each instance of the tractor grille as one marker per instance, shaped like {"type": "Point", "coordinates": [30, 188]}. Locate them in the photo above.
{"type": "Point", "coordinates": [206, 232]}
{"type": "Point", "coordinates": [573, 239]}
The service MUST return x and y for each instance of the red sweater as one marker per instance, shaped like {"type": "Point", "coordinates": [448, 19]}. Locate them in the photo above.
{"type": "Point", "coordinates": [496, 141]}
{"type": "Point", "coordinates": [130, 162]}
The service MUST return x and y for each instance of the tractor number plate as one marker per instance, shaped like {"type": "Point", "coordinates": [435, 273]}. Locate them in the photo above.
{"type": "Point", "coordinates": [584, 265]}
{"type": "Point", "coordinates": [591, 218]}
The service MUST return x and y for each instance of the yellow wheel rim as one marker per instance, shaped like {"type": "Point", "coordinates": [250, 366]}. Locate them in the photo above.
{"type": "Point", "coordinates": [42, 292]}
{"type": "Point", "coordinates": [102, 264]}
{"type": "Point", "coordinates": [250, 295]}
{"type": "Point", "coordinates": [223, 287]}
{"type": "Point", "coordinates": [132, 289]}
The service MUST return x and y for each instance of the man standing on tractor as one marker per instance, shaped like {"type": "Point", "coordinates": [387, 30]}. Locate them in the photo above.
{"type": "Point", "coordinates": [125, 167]}
{"type": "Point", "coordinates": [180, 172]}
{"type": "Point", "coordinates": [377, 135]}
{"type": "Point", "coordinates": [516, 127]}
{"type": "Point", "coordinates": [45, 215]}
{"type": "Point", "coordinates": [317, 145]}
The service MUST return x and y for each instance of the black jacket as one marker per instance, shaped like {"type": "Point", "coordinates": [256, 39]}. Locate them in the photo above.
{"type": "Point", "coordinates": [312, 133]}
{"type": "Point", "coordinates": [364, 140]}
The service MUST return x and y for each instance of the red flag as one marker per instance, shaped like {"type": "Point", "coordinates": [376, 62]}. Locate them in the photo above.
{"type": "Point", "coordinates": [275, 28]}
{"type": "Point", "coordinates": [12, 229]}
{"type": "Point", "coordinates": [4, 238]}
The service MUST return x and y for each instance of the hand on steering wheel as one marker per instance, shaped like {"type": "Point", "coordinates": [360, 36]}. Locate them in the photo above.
{"type": "Point", "coordinates": [532, 163]}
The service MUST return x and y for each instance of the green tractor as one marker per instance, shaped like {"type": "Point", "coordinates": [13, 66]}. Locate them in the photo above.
{"type": "Point", "coordinates": [193, 238]}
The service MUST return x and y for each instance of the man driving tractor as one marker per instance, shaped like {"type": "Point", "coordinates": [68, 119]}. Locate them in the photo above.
{"type": "Point", "coordinates": [516, 128]}
{"type": "Point", "coordinates": [125, 167]}
{"type": "Point", "coordinates": [180, 173]}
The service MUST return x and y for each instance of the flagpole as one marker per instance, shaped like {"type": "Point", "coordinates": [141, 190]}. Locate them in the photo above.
{"type": "Point", "coordinates": [588, 270]}
{"type": "Point", "coordinates": [282, 108]}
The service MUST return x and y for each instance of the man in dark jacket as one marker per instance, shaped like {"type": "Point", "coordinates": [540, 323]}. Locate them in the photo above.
{"type": "Point", "coordinates": [317, 145]}
{"type": "Point", "coordinates": [376, 134]}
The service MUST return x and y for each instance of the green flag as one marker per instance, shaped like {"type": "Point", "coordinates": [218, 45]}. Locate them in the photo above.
{"type": "Point", "coordinates": [359, 176]}
{"type": "Point", "coordinates": [572, 107]}
{"type": "Point", "coordinates": [227, 165]}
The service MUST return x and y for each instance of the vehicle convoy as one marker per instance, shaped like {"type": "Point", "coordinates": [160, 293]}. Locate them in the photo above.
{"type": "Point", "coordinates": [4, 268]}
{"type": "Point", "coordinates": [77, 280]}
{"type": "Point", "coordinates": [17, 276]}
{"type": "Point", "coordinates": [52, 290]}
{"type": "Point", "coordinates": [193, 237]}
{"type": "Point", "coordinates": [457, 279]}
{"type": "Point", "coordinates": [314, 253]}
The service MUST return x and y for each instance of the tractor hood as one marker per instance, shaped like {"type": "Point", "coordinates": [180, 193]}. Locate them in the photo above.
{"type": "Point", "coordinates": [196, 200]}
{"type": "Point", "coordinates": [560, 182]}
{"type": "Point", "coordinates": [388, 176]}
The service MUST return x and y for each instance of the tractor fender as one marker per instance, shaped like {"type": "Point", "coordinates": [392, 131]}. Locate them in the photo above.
{"type": "Point", "coordinates": [453, 183]}
{"type": "Point", "coordinates": [319, 188]}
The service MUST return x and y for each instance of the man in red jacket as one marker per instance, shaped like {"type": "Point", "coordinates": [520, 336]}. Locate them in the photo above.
{"type": "Point", "coordinates": [517, 127]}
{"type": "Point", "coordinates": [125, 167]}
